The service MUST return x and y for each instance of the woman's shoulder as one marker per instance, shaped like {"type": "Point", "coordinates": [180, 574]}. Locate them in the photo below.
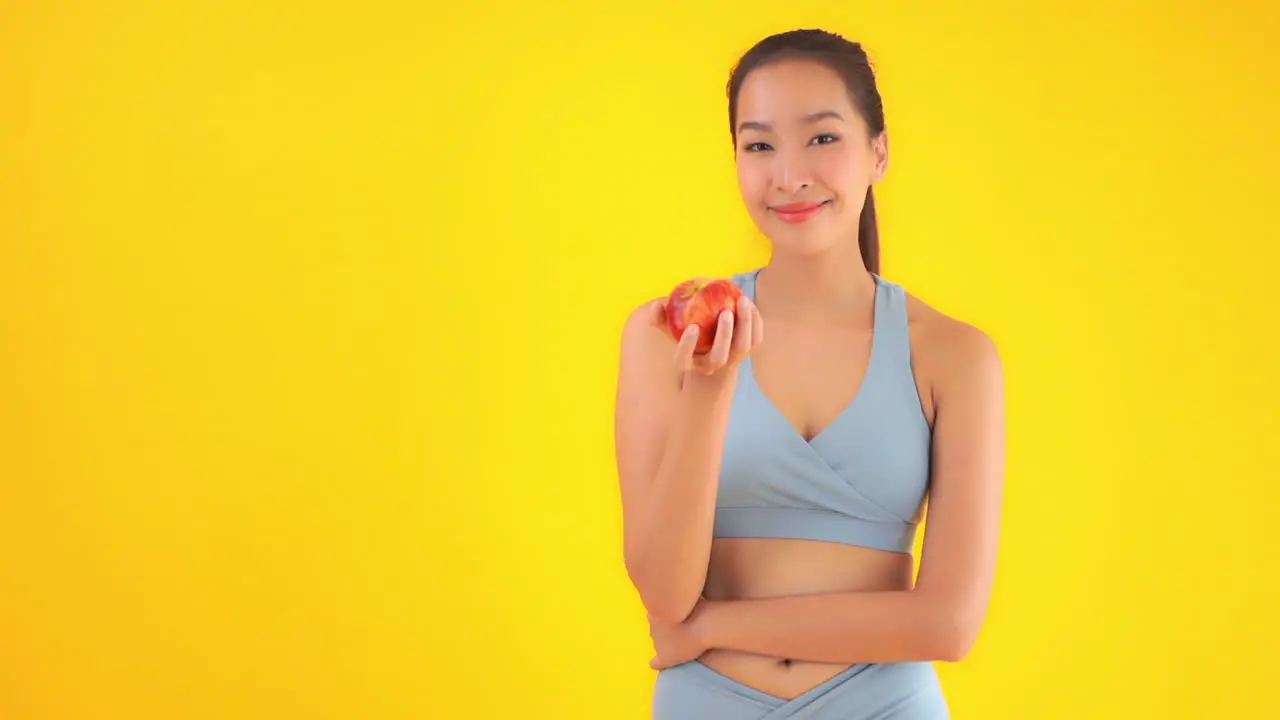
{"type": "Point", "coordinates": [956, 347]}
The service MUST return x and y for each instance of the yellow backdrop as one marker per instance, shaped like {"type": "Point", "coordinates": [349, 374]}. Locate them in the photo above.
{"type": "Point", "coordinates": [310, 323]}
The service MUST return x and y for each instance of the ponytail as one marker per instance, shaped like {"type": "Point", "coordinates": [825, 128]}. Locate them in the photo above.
{"type": "Point", "coordinates": [869, 235]}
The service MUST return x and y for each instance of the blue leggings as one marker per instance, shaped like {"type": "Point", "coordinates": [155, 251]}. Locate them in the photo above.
{"type": "Point", "coordinates": [882, 691]}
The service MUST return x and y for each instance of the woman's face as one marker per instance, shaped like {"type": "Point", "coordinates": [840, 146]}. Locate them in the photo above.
{"type": "Point", "coordinates": [804, 156]}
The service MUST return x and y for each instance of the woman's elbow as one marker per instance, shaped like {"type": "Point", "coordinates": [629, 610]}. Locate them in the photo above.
{"type": "Point", "coordinates": [659, 593]}
{"type": "Point", "coordinates": [954, 634]}
{"type": "Point", "coordinates": [670, 613]}
{"type": "Point", "coordinates": [953, 648]}
{"type": "Point", "coordinates": [663, 603]}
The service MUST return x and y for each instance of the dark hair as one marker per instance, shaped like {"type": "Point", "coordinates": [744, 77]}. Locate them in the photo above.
{"type": "Point", "coordinates": [850, 61]}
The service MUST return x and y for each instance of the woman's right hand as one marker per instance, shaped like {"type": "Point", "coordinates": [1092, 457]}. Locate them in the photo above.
{"type": "Point", "coordinates": [736, 337]}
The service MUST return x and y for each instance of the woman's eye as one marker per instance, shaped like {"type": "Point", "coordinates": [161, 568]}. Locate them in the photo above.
{"type": "Point", "coordinates": [824, 139]}
{"type": "Point", "coordinates": [757, 147]}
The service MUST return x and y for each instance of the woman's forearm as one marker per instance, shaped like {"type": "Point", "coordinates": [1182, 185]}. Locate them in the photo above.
{"type": "Point", "coordinates": [890, 626]}
{"type": "Point", "coordinates": [668, 554]}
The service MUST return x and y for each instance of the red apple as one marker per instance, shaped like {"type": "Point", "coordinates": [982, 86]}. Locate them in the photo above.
{"type": "Point", "coordinates": [699, 302]}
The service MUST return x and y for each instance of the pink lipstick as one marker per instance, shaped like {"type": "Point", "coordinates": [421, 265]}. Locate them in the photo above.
{"type": "Point", "coordinates": [798, 212]}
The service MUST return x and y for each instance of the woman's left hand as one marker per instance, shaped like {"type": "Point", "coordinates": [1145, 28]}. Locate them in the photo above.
{"type": "Point", "coordinates": [675, 643]}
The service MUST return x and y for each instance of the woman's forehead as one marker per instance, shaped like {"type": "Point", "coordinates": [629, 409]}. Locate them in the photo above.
{"type": "Point", "coordinates": [792, 91]}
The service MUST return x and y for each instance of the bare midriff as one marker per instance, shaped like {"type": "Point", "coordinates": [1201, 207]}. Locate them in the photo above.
{"type": "Point", "coordinates": [754, 568]}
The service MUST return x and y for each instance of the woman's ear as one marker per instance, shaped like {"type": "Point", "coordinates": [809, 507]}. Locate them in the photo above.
{"type": "Point", "coordinates": [880, 155]}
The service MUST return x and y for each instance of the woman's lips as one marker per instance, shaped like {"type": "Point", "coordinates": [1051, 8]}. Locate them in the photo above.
{"type": "Point", "coordinates": [799, 212]}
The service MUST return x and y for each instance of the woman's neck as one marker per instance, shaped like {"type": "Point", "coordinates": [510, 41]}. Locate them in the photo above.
{"type": "Point", "coordinates": [815, 286]}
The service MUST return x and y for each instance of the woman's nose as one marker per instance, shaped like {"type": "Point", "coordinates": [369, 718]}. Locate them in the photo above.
{"type": "Point", "coordinates": [791, 175]}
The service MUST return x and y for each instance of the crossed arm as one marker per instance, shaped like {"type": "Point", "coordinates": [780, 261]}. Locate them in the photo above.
{"type": "Point", "coordinates": [938, 620]}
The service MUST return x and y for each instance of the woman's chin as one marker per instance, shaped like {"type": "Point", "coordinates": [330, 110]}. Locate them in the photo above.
{"type": "Point", "coordinates": [802, 240]}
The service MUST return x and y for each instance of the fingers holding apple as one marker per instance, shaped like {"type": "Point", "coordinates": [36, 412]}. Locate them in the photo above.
{"type": "Point", "coordinates": [741, 333]}
{"type": "Point", "coordinates": [699, 302]}
{"type": "Point", "coordinates": [757, 327]}
{"type": "Point", "coordinates": [714, 323]}
{"type": "Point", "coordinates": [721, 346]}
{"type": "Point", "coordinates": [745, 328]}
{"type": "Point", "coordinates": [686, 347]}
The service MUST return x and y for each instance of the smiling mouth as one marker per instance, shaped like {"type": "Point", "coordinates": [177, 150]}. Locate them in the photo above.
{"type": "Point", "coordinates": [799, 212]}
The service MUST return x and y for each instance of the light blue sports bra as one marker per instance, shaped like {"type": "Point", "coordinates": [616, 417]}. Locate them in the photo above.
{"type": "Point", "coordinates": [861, 481]}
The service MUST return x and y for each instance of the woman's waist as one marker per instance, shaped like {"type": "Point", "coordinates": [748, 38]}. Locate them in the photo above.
{"type": "Point", "coordinates": [754, 568]}
{"type": "Point", "coordinates": [789, 680]}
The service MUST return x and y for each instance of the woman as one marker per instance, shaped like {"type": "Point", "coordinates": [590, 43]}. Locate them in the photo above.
{"type": "Point", "coordinates": [772, 488]}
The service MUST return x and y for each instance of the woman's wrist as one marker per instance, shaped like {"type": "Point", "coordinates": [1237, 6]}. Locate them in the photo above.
{"type": "Point", "coordinates": [717, 385]}
{"type": "Point", "coordinates": [702, 623]}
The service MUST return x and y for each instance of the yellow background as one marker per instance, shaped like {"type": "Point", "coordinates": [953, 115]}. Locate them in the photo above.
{"type": "Point", "coordinates": [310, 317]}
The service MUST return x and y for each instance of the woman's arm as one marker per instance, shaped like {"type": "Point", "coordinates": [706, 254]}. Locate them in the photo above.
{"type": "Point", "coordinates": [669, 436]}
{"type": "Point", "coordinates": [940, 619]}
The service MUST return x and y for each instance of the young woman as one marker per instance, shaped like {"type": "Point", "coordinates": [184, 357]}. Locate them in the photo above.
{"type": "Point", "coordinates": [772, 487]}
